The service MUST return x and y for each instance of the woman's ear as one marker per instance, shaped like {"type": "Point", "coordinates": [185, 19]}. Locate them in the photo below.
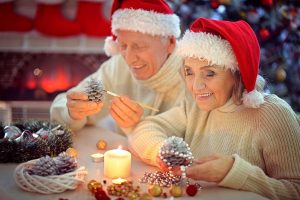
{"type": "Point", "coordinates": [171, 44]}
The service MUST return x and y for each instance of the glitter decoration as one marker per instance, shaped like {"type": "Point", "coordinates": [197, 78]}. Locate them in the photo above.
{"type": "Point", "coordinates": [95, 90]}
{"type": "Point", "coordinates": [163, 179]}
{"type": "Point", "coordinates": [175, 152]}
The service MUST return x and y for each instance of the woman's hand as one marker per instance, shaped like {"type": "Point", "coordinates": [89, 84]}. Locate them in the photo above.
{"type": "Point", "coordinates": [125, 112]}
{"type": "Point", "coordinates": [80, 107]}
{"type": "Point", "coordinates": [212, 168]}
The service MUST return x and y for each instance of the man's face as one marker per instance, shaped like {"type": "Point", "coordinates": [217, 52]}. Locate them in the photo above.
{"type": "Point", "coordinates": [144, 54]}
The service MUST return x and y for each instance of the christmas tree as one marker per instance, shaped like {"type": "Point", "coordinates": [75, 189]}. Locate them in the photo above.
{"type": "Point", "coordinates": [276, 24]}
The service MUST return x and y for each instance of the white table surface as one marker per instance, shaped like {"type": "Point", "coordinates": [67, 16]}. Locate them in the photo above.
{"type": "Point", "coordinates": [85, 143]}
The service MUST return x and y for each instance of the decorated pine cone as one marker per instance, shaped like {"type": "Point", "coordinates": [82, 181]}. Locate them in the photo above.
{"type": "Point", "coordinates": [176, 152]}
{"type": "Point", "coordinates": [65, 163]}
{"type": "Point", "coordinates": [95, 90]}
{"type": "Point", "coordinates": [45, 166]}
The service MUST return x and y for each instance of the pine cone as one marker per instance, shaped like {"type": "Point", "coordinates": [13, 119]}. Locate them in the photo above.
{"type": "Point", "coordinates": [175, 152]}
{"type": "Point", "coordinates": [95, 90]}
{"type": "Point", "coordinates": [65, 163]}
{"type": "Point", "coordinates": [45, 166]}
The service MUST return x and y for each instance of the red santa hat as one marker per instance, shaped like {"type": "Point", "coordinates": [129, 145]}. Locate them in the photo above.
{"type": "Point", "coordinates": [153, 17]}
{"type": "Point", "coordinates": [231, 44]}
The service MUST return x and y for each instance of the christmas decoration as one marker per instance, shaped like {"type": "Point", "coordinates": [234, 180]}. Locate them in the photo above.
{"type": "Point", "coordinates": [93, 186]}
{"type": "Point", "coordinates": [145, 196]}
{"type": "Point", "coordinates": [42, 175]}
{"type": "Point", "coordinates": [50, 21]}
{"type": "Point", "coordinates": [71, 152]}
{"type": "Point", "coordinates": [37, 139]}
{"type": "Point", "coordinates": [155, 190]}
{"type": "Point", "coordinates": [12, 21]}
{"type": "Point", "coordinates": [176, 191]}
{"type": "Point", "coordinates": [175, 152]}
{"type": "Point", "coordinates": [276, 24]}
{"type": "Point", "coordinates": [191, 190]}
{"type": "Point", "coordinates": [45, 166]}
{"type": "Point", "coordinates": [163, 179]}
{"type": "Point", "coordinates": [95, 90]}
{"type": "Point", "coordinates": [65, 163]}
{"type": "Point", "coordinates": [91, 19]}
{"type": "Point", "coordinates": [125, 189]}
{"type": "Point", "coordinates": [101, 144]}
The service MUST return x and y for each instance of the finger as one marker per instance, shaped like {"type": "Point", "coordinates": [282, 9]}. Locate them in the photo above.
{"type": "Point", "coordinates": [117, 118]}
{"type": "Point", "coordinates": [123, 111]}
{"type": "Point", "coordinates": [196, 172]}
{"type": "Point", "coordinates": [77, 95]}
{"type": "Point", "coordinates": [130, 104]}
{"type": "Point", "coordinates": [206, 159]}
{"type": "Point", "coordinates": [82, 105]}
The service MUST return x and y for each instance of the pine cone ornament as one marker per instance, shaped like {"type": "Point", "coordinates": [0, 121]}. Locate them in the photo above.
{"type": "Point", "coordinates": [65, 163]}
{"type": "Point", "coordinates": [95, 90]}
{"type": "Point", "coordinates": [176, 152]}
{"type": "Point", "coordinates": [45, 166]}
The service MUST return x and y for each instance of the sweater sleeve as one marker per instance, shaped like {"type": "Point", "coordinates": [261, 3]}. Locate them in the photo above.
{"type": "Point", "coordinates": [146, 139]}
{"type": "Point", "coordinates": [59, 111]}
{"type": "Point", "coordinates": [280, 142]}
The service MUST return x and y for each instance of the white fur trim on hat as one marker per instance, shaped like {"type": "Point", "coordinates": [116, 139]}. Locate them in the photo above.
{"type": "Point", "coordinates": [51, 2]}
{"type": "Point", "coordinates": [148, 22]}
{"type": "Point", "coordinates": [212, 48]}
{"type": "Point", "coordinates": [253, 99]}
{"type": "Point", "coordinates": [110, 46]}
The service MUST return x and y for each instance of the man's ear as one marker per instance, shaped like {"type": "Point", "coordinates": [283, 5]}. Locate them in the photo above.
{"type": "Point", "coordinates": [171, 44]}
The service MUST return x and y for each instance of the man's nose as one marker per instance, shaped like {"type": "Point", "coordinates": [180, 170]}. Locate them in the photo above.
{"type": "Point", "coordinates": [130, 56]}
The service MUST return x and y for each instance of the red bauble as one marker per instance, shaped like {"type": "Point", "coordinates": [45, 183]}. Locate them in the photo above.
{"type": "Point", "coordinates": [264, 33]}
{"type": "Point", "coordinates": [191, 190]}
{"type": "Point", "coordinates": [214, 4]}
{"type": "Point", "coordinates": [101, 195]}
{"type": "Point", "coordinates": [267, 2]}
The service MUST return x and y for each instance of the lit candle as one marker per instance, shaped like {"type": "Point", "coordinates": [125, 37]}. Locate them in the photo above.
{"type": "Point", "coordinates": [117, 163]}
{"type": "Point", "coordinates": [118, 181]}
{"type": "Point", "coordinates": [97, 157]}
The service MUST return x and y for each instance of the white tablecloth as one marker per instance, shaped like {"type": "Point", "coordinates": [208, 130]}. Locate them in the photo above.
{"type": "Point", "coordinates": [85, 143]}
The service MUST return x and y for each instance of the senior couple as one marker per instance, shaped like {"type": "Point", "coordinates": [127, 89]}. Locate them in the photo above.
{"type": "Point", "coordinates": [208, 92]}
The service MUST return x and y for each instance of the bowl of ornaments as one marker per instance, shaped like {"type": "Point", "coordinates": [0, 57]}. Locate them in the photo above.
{"type": "Point", "coordinates": [49, 175]}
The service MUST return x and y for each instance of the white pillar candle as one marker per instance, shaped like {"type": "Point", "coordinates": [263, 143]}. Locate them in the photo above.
{"type": "Point", "coordinates": [117, 163]}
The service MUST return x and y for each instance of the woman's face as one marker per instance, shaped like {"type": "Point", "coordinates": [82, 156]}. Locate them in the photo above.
{"type": "Point", "coordinates": [210, 85]}
{"type": "Point", "coordinates": [144, 54]}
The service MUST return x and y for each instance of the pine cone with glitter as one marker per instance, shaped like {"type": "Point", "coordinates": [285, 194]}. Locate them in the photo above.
{"type": "Point", "coordinates": [176, 152]}
{"type": "Point", "coordinates": [44, 166]}
{"type": "Point", "coordinates": [95, 90]}
{"type": "Point", "coordinates": [65, 163]}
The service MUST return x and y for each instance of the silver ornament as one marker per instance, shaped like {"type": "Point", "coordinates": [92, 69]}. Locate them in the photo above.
{"type": "Point", "coordinates": [11, 132]}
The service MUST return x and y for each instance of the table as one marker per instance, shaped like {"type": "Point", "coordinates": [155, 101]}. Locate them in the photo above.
{"type": "Point", "coordinates": [85, 143]}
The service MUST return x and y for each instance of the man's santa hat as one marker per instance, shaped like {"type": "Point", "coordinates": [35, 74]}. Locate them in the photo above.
{"type": "Point", "coordinates": [230, 44]}
{"type": "Point", "coordinates": [153, 17]}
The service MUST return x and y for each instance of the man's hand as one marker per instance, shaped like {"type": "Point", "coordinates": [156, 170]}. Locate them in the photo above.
{"type": "Point", "coordinates": [80, 107]}
{"type": "Point", "coordinates": [212, 168]}
{"type": "Point", "coordinates": [125, 112]}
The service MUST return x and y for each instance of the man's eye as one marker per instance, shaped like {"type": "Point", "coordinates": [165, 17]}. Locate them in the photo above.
{"type": "Point", "coordinates": [188, 71]}
{"type": "Point", "coordinates": [123, 46]}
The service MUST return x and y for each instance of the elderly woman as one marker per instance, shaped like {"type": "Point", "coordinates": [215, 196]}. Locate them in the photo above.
{"type": "Point", "coordinates": [143, 68]}
{"type": "Point", "coordinates": [241, 138]}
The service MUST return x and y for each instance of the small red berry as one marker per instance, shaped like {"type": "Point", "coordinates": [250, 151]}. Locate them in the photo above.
{"type": "Point", "coordinates": [191, 190]}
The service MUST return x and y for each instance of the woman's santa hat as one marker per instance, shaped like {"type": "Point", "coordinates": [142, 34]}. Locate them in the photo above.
{"type": "Point", "coordinates": [153, 17]}
{"type": "Point", "coordinates": [230, 44]}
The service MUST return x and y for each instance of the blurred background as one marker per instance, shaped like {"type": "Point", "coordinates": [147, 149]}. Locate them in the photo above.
{"type": "Point", "coordinates": [47, 48]}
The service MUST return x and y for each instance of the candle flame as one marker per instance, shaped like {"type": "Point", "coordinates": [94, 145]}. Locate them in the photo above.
{"type": "Point", "coordinates": [120, 147]}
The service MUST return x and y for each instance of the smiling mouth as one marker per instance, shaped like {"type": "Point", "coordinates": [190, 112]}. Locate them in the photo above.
{"type": "Point", "coordinates": [204, 95]}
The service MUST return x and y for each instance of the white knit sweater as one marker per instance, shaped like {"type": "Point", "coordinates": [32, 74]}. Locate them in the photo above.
{"type": "Point", "coordinates": [163, 90]}
{"type": "Point", "coordinates": [265, 142]}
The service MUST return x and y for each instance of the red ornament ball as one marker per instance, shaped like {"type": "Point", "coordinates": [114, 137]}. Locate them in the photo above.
{"type": "Point", "coordinates": [264, 33]}
{"type": "Point", "coordinates": [191, 190]}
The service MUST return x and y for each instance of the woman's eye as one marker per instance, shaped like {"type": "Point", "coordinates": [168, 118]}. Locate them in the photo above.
{"type": "Point", "coordinates": [210, 73]}
{"type": "Point", "coordinates": [188, 71]}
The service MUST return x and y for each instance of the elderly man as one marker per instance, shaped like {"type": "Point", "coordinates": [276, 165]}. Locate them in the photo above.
{"type": "Point", "coordinates": [143, 68]}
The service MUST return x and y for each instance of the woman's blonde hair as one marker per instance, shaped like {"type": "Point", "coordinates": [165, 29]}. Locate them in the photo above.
{"type": "Point", "coordinates": [238, 88]}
